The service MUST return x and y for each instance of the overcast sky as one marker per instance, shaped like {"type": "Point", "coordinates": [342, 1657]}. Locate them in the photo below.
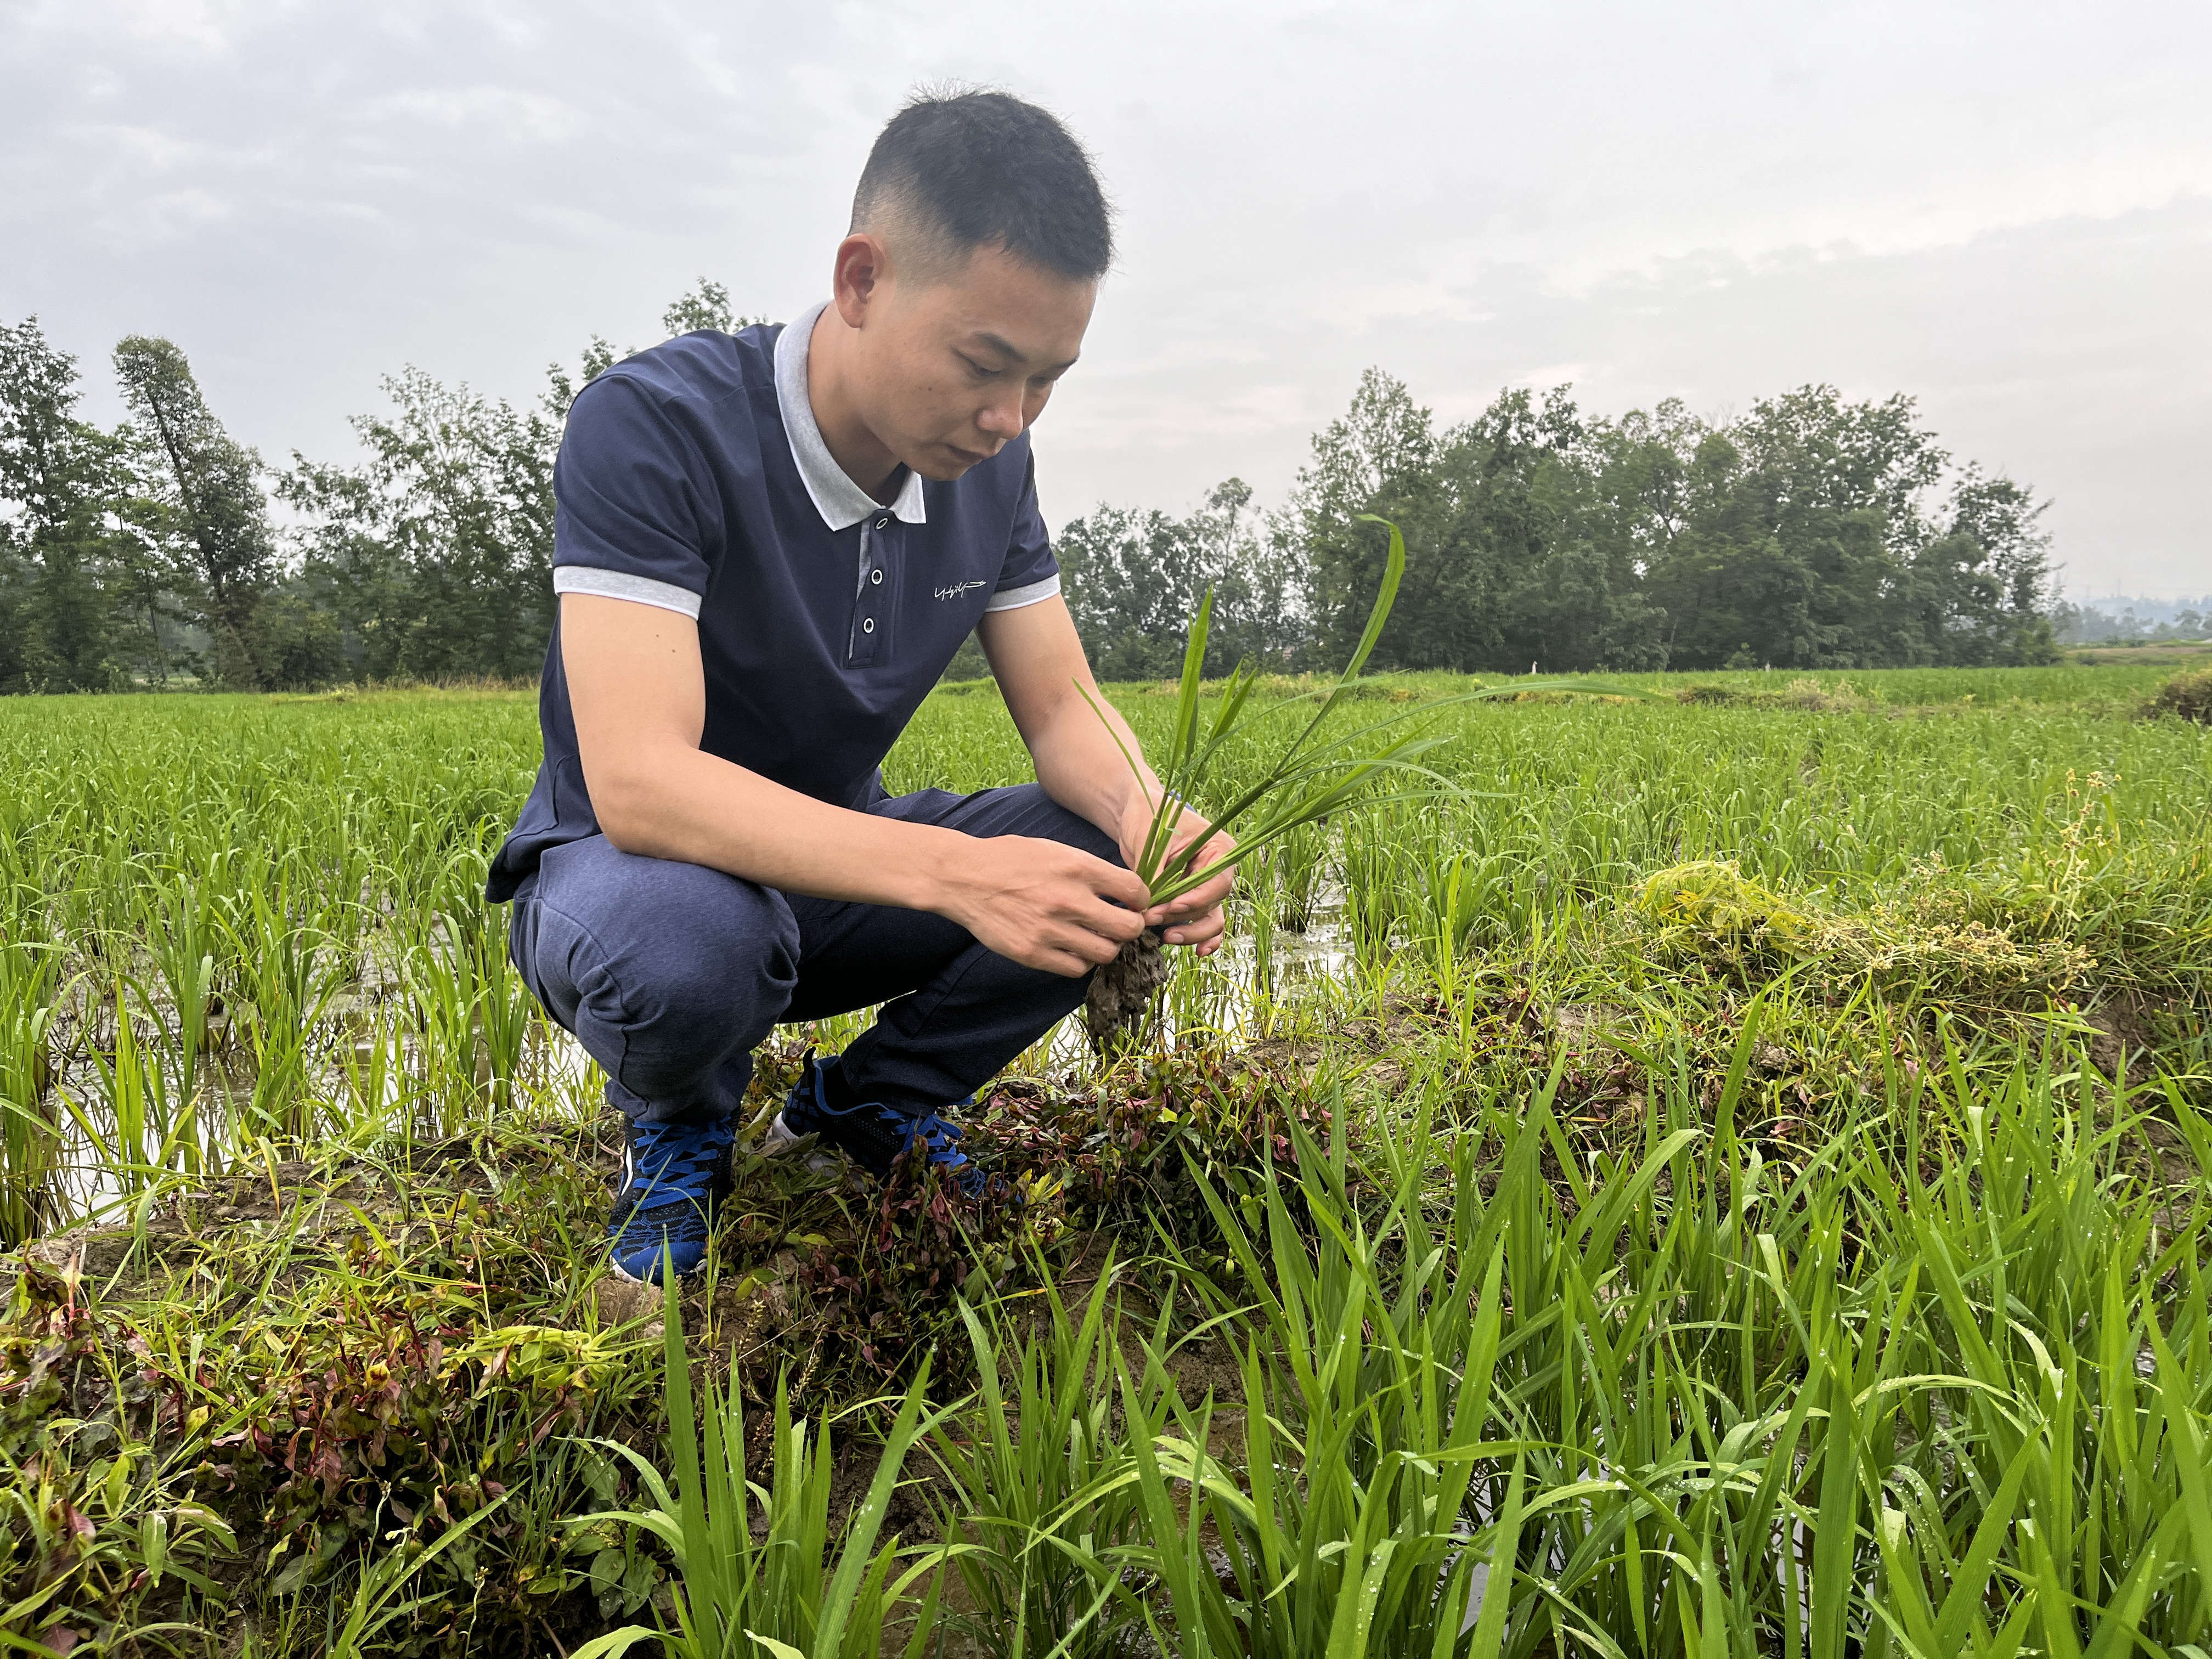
{"type": "Point", "coordinates": [2003, 209]}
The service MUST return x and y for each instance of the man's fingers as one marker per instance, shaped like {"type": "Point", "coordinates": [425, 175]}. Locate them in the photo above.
{"type": "Point", "coordinates": [1217, 886]}
{"type": "Point", "coordinates": [1115, 923]}
{"type": "Point", "coordinates": [1095, 950]}
{"type": "Point", "coordinates": [1181, 861]}
{"type": "Point", "coordinates": [1124, 887]}
{"type": "Point", "coordinates": [1067, 949]}
{"type": "Point", "coordinates": [1198, 930]}
{"type": "Point", "coordinates": [1122, 917]}
{"type": "Point", "coordinates": [1196, 901]}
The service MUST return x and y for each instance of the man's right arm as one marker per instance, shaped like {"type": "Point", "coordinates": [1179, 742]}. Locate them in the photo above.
{"type": "Point", "coordinates": [637, 694]}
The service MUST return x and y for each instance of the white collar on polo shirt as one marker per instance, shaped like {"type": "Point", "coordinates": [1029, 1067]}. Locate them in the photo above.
{"type": "Point", "coordinates": [841, 502]}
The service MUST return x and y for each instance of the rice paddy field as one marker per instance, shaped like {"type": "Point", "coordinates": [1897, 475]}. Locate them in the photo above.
{"type": "Point", "coordinates": [1724, 1175]}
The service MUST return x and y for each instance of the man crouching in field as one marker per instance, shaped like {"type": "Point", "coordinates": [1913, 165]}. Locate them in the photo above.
{"type": "Point", "coordinates": [768, 548]}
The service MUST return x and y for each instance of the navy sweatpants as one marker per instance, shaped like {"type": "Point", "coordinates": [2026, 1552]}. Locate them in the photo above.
{"type": "Point", "coordinates": [669, 975]}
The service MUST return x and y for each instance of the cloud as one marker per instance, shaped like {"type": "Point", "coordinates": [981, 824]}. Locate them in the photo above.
{"type": "Point", "coordinates": [504, 114]}
{"type": "Point", "coordinates": [2005, 212]}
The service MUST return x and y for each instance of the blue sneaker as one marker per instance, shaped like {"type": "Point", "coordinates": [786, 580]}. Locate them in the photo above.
{"type": "Point", "coordinates": [873, 1136]}
{"type": "Point", "coordinates": [673, 1176]}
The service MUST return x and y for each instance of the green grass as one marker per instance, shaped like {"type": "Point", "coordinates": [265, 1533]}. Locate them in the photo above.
{"type": "Point", "coordinates": [1743, 1193]}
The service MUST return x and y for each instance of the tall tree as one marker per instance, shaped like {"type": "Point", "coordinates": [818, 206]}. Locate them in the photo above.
{"type": "Point", "coordinates": [1381, 456]}
{"type": "Point", "coordinates": [83, 592]}
{"type": "Point", "coordinates": [1802, 535]}
{"type": "Point", "coordinates": [706, 306]}
{"type": "Point", "coordinates": [213, 488]}
{"type": "Point", "coordinates": [1990, 573]}
{"type": "Point", "coordinates": [437, 552]}
{"type": "Point", "coordinates": [1522, 558]}
{"type": "Point", "coordinates": [1567, 581]}
{"type": "Point", "coordinates": [1806, 516]}
{"type": "Point", "coordinates": [1132, 578]}
{"type": "Point", "coordinates": [1258, 572]}
{"type": "Point", "coordinates": [54, 626]}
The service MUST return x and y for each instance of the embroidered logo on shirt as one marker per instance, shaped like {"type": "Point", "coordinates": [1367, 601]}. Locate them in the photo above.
{"type": "Point", "coordinates": [956, 590]}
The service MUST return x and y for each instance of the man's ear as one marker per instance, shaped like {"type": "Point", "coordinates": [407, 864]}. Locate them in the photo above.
{"type": "Point", "coordinates": [863, 267]}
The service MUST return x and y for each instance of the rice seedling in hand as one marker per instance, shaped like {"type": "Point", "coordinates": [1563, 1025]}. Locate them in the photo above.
{"type": "Point", "coordinates": [1312, 778]}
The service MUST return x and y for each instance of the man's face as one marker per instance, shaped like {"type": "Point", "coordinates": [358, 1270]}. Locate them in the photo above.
{"type": "Point", "coordinates": [952, 371]}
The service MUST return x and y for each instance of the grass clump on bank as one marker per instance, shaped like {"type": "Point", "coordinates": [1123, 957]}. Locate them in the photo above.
{"type": "Point", "coordinates": [2187, 695]}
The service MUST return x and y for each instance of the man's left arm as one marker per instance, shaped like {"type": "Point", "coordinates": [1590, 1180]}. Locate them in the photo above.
{"type": "Point", "coordinates": [1038, 661]}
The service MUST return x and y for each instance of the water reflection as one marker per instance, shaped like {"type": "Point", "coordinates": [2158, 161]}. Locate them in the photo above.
{"type": "Point", "coordinates": [366, 1072]}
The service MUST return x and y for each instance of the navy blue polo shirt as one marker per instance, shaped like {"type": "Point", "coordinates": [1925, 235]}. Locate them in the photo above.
{"type": "Point", "coordinates": [693, 477]}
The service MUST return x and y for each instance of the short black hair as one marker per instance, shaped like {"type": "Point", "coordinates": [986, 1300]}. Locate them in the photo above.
{"type": "Point", "coordinates": [970, 169]}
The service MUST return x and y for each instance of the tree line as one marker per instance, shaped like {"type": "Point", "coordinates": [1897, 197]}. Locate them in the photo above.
{"type": "Point", "coordinates": [1811, 532]}
{"type": "Point", "coordinates": [165, 552]}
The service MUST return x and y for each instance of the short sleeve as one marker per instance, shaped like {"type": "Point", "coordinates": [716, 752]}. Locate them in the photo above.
{"type": "Point", "coordinates": [1030, 573]}
{"type": "Point", "coordinates": [634, 511]}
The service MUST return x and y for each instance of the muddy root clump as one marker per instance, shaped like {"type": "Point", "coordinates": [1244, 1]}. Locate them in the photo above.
{"type": "Point", "coordinates": [1123, 993]}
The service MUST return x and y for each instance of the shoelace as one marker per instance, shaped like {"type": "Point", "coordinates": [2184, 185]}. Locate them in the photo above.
{"type": "Point", "coordinates": [687, 1172]}
{"type": "Point", "coordinates": [937, 1135]}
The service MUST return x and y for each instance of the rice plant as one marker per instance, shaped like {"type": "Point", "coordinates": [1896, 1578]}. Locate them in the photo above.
{"type": "Point", "coordinates": [1023, 1466]}
{"type": "Point", "coordinates": [1347, 1520]}
{"type": "Point", "coordinates": [30, 1132]}
{"type": "Point", "coordinates": [1312, 777]}
{"type": "Point", "coordinates": [801, 1587]}
{"type": "Point", "coordinates": [1848, 1295]}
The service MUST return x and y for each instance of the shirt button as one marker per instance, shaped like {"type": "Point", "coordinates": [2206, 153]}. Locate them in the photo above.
{"type": "Point", "coordinates": [867, 624]}
{"type": "Point", "coordinates": [883, 524]}
{"type": "Point", "coordinates": [876, 577]}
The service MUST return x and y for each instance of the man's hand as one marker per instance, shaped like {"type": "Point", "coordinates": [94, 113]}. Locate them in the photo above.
{"type": "Point", "coordinates": [1195, 919]}
{"type": "Point", "coordinates": [1083, 751]}
{"type": "Point", "coordinates": [1044, 905]}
